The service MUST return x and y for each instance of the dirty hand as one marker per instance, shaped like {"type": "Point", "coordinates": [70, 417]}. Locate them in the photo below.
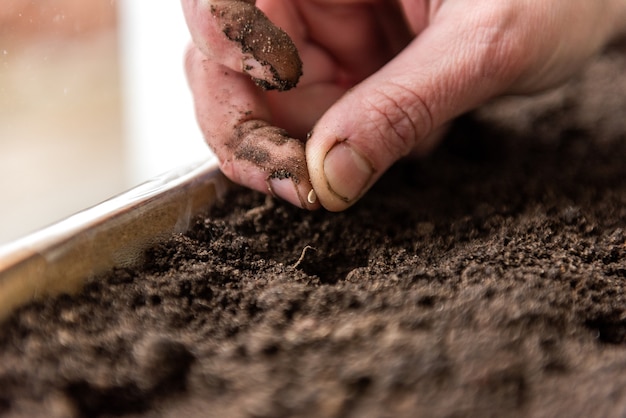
{"type": "Point", "coordinates": [380, 77]}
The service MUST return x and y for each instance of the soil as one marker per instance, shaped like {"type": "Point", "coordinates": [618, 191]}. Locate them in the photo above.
{"type": "Point", "coordinates": [486, 280]}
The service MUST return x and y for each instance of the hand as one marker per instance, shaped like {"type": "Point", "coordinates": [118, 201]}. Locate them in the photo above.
{"type": "Point", "coordinates": [380, 77]}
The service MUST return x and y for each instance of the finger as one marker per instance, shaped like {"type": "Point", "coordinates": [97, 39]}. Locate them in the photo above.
{"type": "Point", "coordinates": [233, 119]}
{"type": "Point", "coordinates": [445, 71]}
{"type": "Point", "coordinates": [238, 35]}
{"type": "Point", "coordinates": [341, 44]}
{"type": "Point", "coordinates": [360, 36]}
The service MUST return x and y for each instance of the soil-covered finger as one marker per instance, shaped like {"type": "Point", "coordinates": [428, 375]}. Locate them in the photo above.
{"type": "Point", "coordinates": [280, 157]}
{"type": "Point", "coordinates": [235, 122]}
{"type": "Point", "coordinates": [238, 35]}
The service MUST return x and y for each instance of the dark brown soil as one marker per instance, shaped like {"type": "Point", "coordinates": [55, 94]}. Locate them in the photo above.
{"type": "Point", "coordinates": [486, 280]}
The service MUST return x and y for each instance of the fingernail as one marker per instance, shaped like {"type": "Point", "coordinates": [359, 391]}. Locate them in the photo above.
{"type": "Point", "coordinates": [347, 172]}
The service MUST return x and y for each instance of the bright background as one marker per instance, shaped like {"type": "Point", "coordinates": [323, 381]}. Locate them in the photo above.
{"type": "Point", "coordinates": [93, 101]}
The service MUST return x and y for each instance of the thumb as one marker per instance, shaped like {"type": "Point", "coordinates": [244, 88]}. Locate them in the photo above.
{"type": "Point", "coordinates": [444, 72]}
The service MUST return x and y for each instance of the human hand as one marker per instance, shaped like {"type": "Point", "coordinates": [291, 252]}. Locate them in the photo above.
{"type": "Point", "coordinates": [380, 77]}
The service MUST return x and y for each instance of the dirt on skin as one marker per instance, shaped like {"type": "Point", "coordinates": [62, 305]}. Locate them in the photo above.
{"type": "Point", "coordinates": [252, 141]}
{"type": "Point", "coordinates": [256, 35]}
{"type": "Point", "coordinates": [486, 280]}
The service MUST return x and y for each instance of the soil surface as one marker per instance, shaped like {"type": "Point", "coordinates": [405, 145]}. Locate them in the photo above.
{"type": "Point", "coordinates": [486, 280]}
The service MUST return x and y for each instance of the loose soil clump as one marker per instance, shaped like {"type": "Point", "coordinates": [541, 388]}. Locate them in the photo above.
{"type": "Point", "coordinates": [486, 280]}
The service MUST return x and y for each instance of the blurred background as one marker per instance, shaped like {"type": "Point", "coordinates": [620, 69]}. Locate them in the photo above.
{"type": "Point", "coordinates": [93, 101]}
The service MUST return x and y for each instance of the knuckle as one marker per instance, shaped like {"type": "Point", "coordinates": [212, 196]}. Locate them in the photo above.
{"type": "Point", "coordinates": [501, 56]}
{"type": "Point", "coordinates": [399, 116]}
{"type": "Point", "coordinates": [190, 59]}
{"type": "Point", "coordinates": [500, 44]}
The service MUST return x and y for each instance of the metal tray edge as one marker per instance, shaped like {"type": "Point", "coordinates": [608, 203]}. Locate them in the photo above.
{"type": "Point", "coordinates": [115, 233]}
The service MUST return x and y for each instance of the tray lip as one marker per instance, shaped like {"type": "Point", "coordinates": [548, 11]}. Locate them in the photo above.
{"type": "Point", "coordinates": [127, 200]}
{"type": "Point", "coordinates": [172, 199]}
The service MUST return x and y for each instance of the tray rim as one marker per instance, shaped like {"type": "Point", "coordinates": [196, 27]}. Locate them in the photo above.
{"type": "Point", "coordinates": [60, 258]}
